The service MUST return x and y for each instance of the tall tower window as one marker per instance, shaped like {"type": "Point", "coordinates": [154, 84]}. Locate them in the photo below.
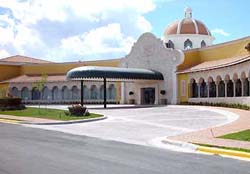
{"type": "Point", "coordinates": [188, 44]}
{"type": "Point", "coordinates": [203, 44]}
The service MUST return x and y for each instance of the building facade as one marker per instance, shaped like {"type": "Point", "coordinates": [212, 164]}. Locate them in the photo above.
{"type": "Point", "coordinates": [194, 70]}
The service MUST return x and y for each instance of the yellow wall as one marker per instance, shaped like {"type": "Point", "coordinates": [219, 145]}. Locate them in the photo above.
{"type": "Point", "coordinates": [182, 77]}
{"type": "Point", "coordinates": [221, 51]}
{"type": "Point", "coordinates": [9, 71]}
{"type": "Point", "coordinates": [4, 89]}
{"type": "Point", "coordinates": [227, 50]}
{"type": "Point", "coordinates": [63, 68]}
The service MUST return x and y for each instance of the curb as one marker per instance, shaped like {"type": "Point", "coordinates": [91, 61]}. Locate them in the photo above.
{"type": "Point", "coordinates": [67, 122]}
{"type": "Point", "coordinates": [180, 144]}
{"type": "Point", "coordinates": [218, 151]}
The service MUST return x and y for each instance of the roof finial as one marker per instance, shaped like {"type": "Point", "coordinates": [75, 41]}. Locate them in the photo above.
{"type": "Point", "coordinates": [188, 12]}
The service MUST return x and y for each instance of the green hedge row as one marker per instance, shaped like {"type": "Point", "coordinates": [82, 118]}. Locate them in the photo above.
{"type": "Point", "coordinates": [236, 105]}
{"type": "Point", "coordinates": [11, 104]}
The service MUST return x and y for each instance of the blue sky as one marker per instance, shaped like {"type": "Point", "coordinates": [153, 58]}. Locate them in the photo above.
{"type": "Point", "coordinates": [63, 30]}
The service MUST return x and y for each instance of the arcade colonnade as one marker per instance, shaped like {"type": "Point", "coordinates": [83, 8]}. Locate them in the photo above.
{"type": "Point", "coordinates": [229, 85]}
{"type": "Point", "coordinates": [93, 92]}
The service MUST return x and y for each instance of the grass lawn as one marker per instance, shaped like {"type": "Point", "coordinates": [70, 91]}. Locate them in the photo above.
{"type": "Point", "coordinates": [53, 114]}
{"type": "Point", "coordinates": [227, 148]}
{"type": "Point", "coordinates": [242, 136]}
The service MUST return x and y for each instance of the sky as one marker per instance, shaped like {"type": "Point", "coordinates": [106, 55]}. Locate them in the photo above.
{"type": "Point", "coordinates": [73, 30]}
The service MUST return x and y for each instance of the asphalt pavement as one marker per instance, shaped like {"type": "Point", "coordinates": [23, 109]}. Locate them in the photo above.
{"type": "Point", "coordinates": [25, 150]}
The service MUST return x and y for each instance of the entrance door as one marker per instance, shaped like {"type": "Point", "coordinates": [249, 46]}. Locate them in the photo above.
{"type": "Point", "coordinates": [148, 95]}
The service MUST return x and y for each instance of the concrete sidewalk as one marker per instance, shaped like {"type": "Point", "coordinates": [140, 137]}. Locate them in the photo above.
{"type": "Point", "coordinates": [208, 136]}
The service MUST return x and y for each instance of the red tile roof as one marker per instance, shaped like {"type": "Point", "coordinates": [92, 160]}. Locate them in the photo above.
{"type": "Point", "coordinates": [23, 59]}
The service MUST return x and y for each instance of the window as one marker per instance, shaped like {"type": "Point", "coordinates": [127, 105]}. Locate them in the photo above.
{"type": "Point", "coordinates": [203, 43]}
{"type": "Point", "coordinates": [183, 88]}
{"type": "Point", "coordinates": [170, 44]}
{"type": "Point", "coordinates": [188, 44]}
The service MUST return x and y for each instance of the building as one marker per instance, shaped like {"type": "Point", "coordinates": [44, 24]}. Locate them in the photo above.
{"type": "Point", "coordinates": [193, 70]}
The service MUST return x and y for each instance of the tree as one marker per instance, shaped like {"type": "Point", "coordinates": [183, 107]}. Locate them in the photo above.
{"type": "Point", "coordinates": [39, 85]}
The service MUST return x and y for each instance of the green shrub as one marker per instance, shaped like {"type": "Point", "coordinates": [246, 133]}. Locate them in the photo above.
{"type": "Point", "coordinates": [235, 105]}
{"type": "Point", "coordinates": [11, 104]}
{"type": "Point", "coordinates": [77, 110]}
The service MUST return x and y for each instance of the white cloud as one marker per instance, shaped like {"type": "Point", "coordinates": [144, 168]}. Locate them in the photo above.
{"type": "Point", "coordinates": [68, 28]}
{"type": "Point", "coordinates": [220, 32]}
{"type": "Point", "coordinates": [4, 53]}
{"type": "Point", "coordinates": [102, 40]}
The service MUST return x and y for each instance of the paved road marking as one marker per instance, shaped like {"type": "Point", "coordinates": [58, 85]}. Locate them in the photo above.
{"type": "Point", "coordinates": [11, 121]}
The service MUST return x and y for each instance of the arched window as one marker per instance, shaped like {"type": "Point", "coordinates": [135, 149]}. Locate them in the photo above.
{"type": "Point", "coordinates": [203, 44]}
{"type": "Point", "coordinates": [221, 89]}
{"type": "Point", "coordinates": [14, 92]}
{"type": "Point", "coordinates": [111, 92]}
{"type": "Point", "coordinates": [188, 44]}
{"type": "Point", "coordinates": [45, 93]}
{"type": "Point", "coordinates": [246, 87]}
{"type": "Point", "coordinates": [35, 94]}
{"type": "Point", "coordinates": [85, 92]}
{"type": "Point", "coordinates": [25, 93]}
{"type": "Point", "coordinates": [194, 89]}
{"type": "Point", "coordinates": [212, 89]}
{"type": "Point", "coordinates": [238, 87]}
{"type": "Point", "coordinates": [65, 93]}
{"type": "Point", "coordinates": [55, 93]}
{"type": "Point", "coordinates": [170, 44]}
{"type": "Point", "coordinates": [203, 89]}
{"type": "Point", "coordinates": [230, 88]}
{"type": "Point", "coordinates": [75, 94]}
{"type": "Point", "coordinates": [101, 92]}
{"type": "Point", "coordinates": [93, 92]}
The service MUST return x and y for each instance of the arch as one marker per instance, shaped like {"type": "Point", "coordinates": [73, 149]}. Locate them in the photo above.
{"type": "Point", "coordinates": [203, 88]}
{"type": "Point", "coordinates": [101, 92]}
{"type": "Point", "coordinates": [65, 93]}
{"type": "Point", "coordinates": [227, 77]}
{"type": "Point", "coordinates": [230, 88]}
{"type": "Point", "coordinates": [194, 88]}
{"type": "Point", "coordinates": [171, 44]}
{"type": "Point", "coordinates": [238, 88]}
{"type": "Point", "coordinates": [14, 92]}
{"type": "Point", "coordinates": [75, 93]}
{"type": "Point", "coordinates": [188, 44]}
{"type": "Point", "coordinates": [203, 44]}
{"type": "Point", "coordinates": [246, 91]}
{"type": "Point", "coordinates": [221, 86]}
{"type": "Point", "coordinates": [212, 87]}
{"type": "Point", "coordinates": [243, 75]}
{"type": "Point", "coordinates": [93, 92]}
{"type": "Point", "coordinates": [111, 92]}
{"type": "Point", "coordinates": [45, 93]}
{"type": "Point", "coordinates": [25, 93]}
{"type": "Point", "coordinates": [85, 92]}
{"type": "Point", "coordinates": [235, 77]}
{"type": "Point", "coordinates": [35, 94]}
{"type": "Point", "coordinates": [55, 93]}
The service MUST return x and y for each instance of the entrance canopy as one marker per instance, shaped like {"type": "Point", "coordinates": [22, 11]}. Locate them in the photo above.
{"type": "Point", "coordinates": [111, 73]}
{"type": "Point", "coordinates": [93, 72]}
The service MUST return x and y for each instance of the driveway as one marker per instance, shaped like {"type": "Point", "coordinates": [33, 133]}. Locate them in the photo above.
{"type": "Point", "coordinates": [143, 125]}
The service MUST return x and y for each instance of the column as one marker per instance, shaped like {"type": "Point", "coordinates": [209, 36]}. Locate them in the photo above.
{"type": "Point", "coordinates": [234, 88]}
{"type": "Point", "coordinates": [105, 93]}
{"type": "Point", "coordinates": [199, 90]}
{"type": "Point", "coordinates": [242, 87]}
{"type": "Point", "coordinates": [81, 92]}
{"type": "Point", "coordinates": [225, 88]}
{"type": "Point", "coordinates": [208, 87]}
{"type": "Point", "coordinates": [217, 89]}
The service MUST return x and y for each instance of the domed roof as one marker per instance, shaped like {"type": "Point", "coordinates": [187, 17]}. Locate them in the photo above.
{"type": "Point", "coordinates": [188, 25]}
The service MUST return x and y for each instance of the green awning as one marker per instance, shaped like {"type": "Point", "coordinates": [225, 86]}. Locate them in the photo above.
{"type": "Point", "coordinates": [93, 72]}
